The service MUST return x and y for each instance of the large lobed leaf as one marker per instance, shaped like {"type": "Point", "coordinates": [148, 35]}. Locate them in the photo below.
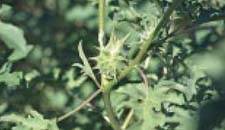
{"type": "Point", "coordinates": [159, 107]}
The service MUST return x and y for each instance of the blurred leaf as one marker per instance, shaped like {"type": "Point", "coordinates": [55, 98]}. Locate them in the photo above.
{"type": "Point", "coordinates": [13, 37]}
{"type": "Point", "coordinates": [3, 107]}
{"type": "Point", "coordinates": [51, 99]}
{"type": "Point", "coordinates": [80, 13]}
{"type": "Point", "coordinates": [72, 81]}
{"type": "Point", "coordinates": [209, 63]}
{"type": "Point", "coordinates": [11, 79]}
{"type": "Point", "coordinates": [5, 10]}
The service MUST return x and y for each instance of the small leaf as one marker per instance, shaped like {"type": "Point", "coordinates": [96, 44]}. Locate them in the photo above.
{"type": "Point", "coordinates": [86, 68]}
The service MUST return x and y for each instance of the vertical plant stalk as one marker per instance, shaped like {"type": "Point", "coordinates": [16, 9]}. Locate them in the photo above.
{"type": "Point", "coordinates": [101, 19]}
{"type": "Point", "coordinates": [104, 82]}
{"type": "Point", "coordinates": [108, 107]}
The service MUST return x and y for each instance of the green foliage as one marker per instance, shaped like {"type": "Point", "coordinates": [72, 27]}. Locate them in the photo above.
{"type": "Point", "coordinates": [34, 121]}
{"type": "Point", "coordinates": [176, 83]}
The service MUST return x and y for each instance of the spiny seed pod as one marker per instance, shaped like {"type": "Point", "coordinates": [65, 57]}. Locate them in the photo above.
{"type": "Point", "coordinates": [110, 60]}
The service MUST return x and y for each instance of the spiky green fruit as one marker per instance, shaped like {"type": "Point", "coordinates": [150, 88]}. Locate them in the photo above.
{"type": "Point", "coordinates": [110, 60]}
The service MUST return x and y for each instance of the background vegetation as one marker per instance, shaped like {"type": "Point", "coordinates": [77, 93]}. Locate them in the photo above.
{"type": "Point", "coordinates": [178, 86]}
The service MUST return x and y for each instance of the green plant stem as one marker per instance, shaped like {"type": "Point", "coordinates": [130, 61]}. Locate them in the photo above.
{"type": "Point", "coordinates": [101, 12]}
{"type": "Point", "coordinates": [108, 107]}
{"type": "Point", "coordinates": [104, 84]}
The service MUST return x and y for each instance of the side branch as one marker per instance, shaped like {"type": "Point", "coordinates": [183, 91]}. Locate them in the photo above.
{"type": "Point", "coordinates": [82, 105]}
